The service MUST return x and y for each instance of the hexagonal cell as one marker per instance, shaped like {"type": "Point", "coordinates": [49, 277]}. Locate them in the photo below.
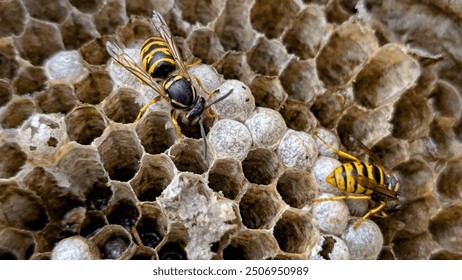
{"type": "Point", "coordinates": [120, 154]}
{"type": "Point", "coordinates": [10, 64]}
{"type": "Point", "coordinates": [446, 255]}
{"type": "Point", "coordinates": [271, 18]}
{"type": "Point", "coordinates": [41, 135]}
{"type": "Point", "coordinates": [16, 112]}
{"type": "Point", "coordinates": [98, 196]}
{"type": "Point", "coordinates": [58, 97]}
{"type": "Point", "coordinates": [122, 207]}
{"type": "Point", "coordinates": [307, 44]}
{"type": "Point", "coordinates": [205, 45]}
{"type": "Point", "coordinates": [12, 160]}
{"type": "Point", "coordinates": [77, 29]}
{"type": "Point", "coordinates": [54, 11]}
{"type": "Point", "coordinates": [144, 253]}
{"type": "Point", "coordinates": [174, 245]}
{"type": "Point", "coordinates": [412, 116]}
{"type": "Point", "coordinates": [207, 220]}
{"type": "Point", "coordinates": [29, 80]}
{"type": "Point", "coordinates": [209, 11]}
{"type": "Point", "coordinates": [87, 6]}
{"type": "Point", "coordinates": [136, 29]}
{"type": "Point", "coordinates": [114, 242]}
{"type": "Point", "coordinates": [297, 115]}
{"type": "Point", "coordinates": [16, 244]}
{"type": "Point", "coordinates": [443, 143]}
{"type": "Point", "coordinates": [268, 92]}
{"type": "Point", "coordinates": [94, 221]}
{"type": "Point", "coordinates": [110, 16]}
{"type": "Point", "coordinates": [230, 138]}
{"type": "Point", "coordinates": [364, 243]}
{"type": "Point", "coordinates": [446, 226]}
{"type": "Point", "coordinates": [295, 231]}
{"type": "Point", "coordinates": [13, 17]}
{"type": "Point", "coordinates": [297, 187]}
{"type": "Point", "coordinates": [39, 41]}
{"type": "Point", "coordinates": [416, 214]}
{"type": "Point", "coordinates": [156, 132]}
{"type": "Point", "coordinates": [94, 88]}
{"type": "Point", "coordinates": [22, 209]}
{"type": "Point", "coordinates": [120, 106]}
{"type": "Point", "coordinates": [238, 105]}
{"type": "Point", "coordinates": [347, 50]}
{"type": "Point", "coordinates": [267, 57]}
{"type": "Point", "coordinates": [340, 11]}
{"type": "Point", "coordinates": [233, 66]}
{"type": "Point", "coordinates": [267, 127]}
{"type": "Point", "coordinates": [82, 167]}
{"type": "Point", "coordinates": [259, 207]}
{"type": "Point", "coordinates": [385, 77]}
{"type": "Point", "coordinates": [226, 177]}
{"type": "Point", "coordinates": [153, 176]}
{"type": "Point", "coordinates": [328, 108]}
{"type": "Point", "coordinates": [65, 65]}
{"type": "Point", "coordinates": [152, 225]}
{"type": "Point", "coordinates": [391, 151]}
{"type": "Point", "coordinates": [261, 166]}
{"type": "Point", "coordinates": [417, 179]}
{"type": "Point", "coordinates": [297, 149]}
{"type": "Point", "coordinates": [448, 183]}
{"type": "Point", "coordinates": [330, 247]}
{"type": "Point", "coordinates": [446, 100]}
{"type": "Point", "coordinates": [208, 76]}
{"type": "Point", "coordinates": [332, 216]}
{"type": "Point", "coordinates": [6, 92]}
{"type": "Point", "coordinates": [233, 26]}
{"type": "Point", "coordinates": [414, 247]}
{"type": "Point", "coordinates": [61, 203]}
{"type": "Point", "coordinates": [189, 156]}
{"type": "Point", "coordinates": [84, 124]}
{"type": "Point", "coordinates": [329, 137]}
{"type": "Point", "coordinates": [94, 51]}
{"type": "Point", "coordinates": [300, 80]}
{"type": "Point", "coordinates": [367, 126]}
{"type": "Point", "coordinates": [75, 248]}
{"type": "Point", "coordinates": [251, 245]}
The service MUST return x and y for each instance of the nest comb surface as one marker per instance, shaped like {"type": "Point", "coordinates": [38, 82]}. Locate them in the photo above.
{"type": "Point", "coordinates": [77, 174]}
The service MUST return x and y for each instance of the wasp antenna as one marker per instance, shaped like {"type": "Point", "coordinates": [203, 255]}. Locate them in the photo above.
{"type": "Point", "coordinates": [201, 125]}
{"type": "Point", "coordinates": [221, 98]}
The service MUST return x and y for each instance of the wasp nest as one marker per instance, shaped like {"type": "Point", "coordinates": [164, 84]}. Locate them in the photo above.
{"type": "Point", "coordinates": [81, 179]}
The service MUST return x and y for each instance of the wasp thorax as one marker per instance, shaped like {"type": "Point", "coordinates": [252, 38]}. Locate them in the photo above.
{"type": "Point", "coordinates": [180, 91]}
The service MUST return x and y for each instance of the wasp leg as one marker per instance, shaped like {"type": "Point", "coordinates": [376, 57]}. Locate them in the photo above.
{"type": "Point", "coordinates": [145, 107]}
{"type": "Point", "coordinates": [371, 212]}
{"type": "Point", "coordinates": [177, 126]}
{"type": "Point", "coordinates": [341, 197]}
{"type": "Point", "coordinates": [337, 151]}
{"type": "Point", "coordinates": [197, 62]}
{"type": "Point", "coordinates": [137, 236]}
{"type": "Point", "coordinates": [202, 87]}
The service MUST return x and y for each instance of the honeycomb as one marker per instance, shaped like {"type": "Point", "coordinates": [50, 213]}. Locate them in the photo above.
{"type": "Point", "coordinates": [80, 179]}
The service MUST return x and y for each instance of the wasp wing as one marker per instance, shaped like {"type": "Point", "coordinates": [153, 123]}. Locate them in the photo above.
{"type": "Point", "coordinates": [371, 154]}
{"type": "Point", "coordinates": [373, 185]}
{"type": "Point", "coordinates": [128, 63]}
{"type": "Point", "coordinates": [166, 34]}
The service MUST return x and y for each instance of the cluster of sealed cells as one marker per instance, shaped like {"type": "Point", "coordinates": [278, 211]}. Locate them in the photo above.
{"type": "Point", "coordinates": [80, 179]}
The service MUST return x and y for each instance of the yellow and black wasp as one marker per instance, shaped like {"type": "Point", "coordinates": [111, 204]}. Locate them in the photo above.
{"type": "Point", "coordinates": [370, 181]}
{"type": "Point", "coordinates": [160, 58]}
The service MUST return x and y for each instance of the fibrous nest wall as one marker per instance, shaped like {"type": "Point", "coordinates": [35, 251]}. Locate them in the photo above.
{"type": "Point", "coordinates": [80, 179]}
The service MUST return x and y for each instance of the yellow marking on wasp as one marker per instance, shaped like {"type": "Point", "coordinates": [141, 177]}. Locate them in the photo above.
{"type": "Point", "coordinates": [152, 41]}
{"type": "Point", "coordinates": [153, 67]}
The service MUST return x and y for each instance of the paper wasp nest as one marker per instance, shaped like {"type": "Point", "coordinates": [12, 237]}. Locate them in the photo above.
{"type": "Point", "coordinates": [80, 179]}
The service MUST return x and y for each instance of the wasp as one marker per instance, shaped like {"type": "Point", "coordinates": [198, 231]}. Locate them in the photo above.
{"type": "Point", "coordinates": [160, 58]}
{"type": "Point", "coordinates": [369, 181]}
